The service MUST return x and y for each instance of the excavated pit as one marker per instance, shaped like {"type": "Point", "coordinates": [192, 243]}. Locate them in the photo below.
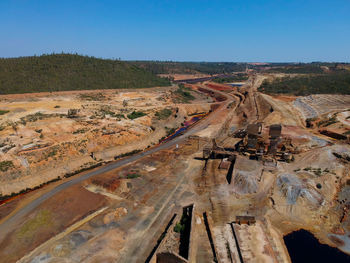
{"type": "Point", "coordinates": [186, 222]}
{"type": "Point", "coordinates": [230, 171]}
{"type": "Point", "coordinates": [207, 228]}
{"type": "Point", "coordinates": [160, 239]}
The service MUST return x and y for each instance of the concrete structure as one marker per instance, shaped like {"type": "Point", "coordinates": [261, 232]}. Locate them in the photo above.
{"type": "Point", "coordinates": [275, 137]}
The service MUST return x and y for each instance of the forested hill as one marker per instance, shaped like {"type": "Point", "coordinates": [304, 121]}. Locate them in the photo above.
{"type": "Point", "coordinates": [59, 72]}
{"type": "Point", "coordinates": [331, 83]}
{"type": "Point", "coordinates": [170, 67]}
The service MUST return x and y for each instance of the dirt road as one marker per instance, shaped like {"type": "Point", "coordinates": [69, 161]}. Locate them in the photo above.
{"type": "Point", "coordinates": [12, 221]}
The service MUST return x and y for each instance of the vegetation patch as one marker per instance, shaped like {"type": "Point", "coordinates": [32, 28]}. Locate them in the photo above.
{"type": "Point", "coordinates": [179, 227]}
{"type": "Point", "coordinates": [169, 67]}
{"type": "Point", "coordinates": [331, 83]}
{"type": "Point", "coordinates": [37, 116]}
{"type": "Point", "coordinates": [67, 175]}
{"type": "Point", "coordinates": [183, 94]}
{"type": "Point", "coordinates": [53, 151]}
{"type": "Point", "coordinates": [163, 114]}
{"type": "Point", "coordinates": [107, 111]}
{"type": "Point", "coordinates": [23, 191]}
{"type": "Point", "coordinates": [5, 165]}
{"type": "Point", "coordinates": [132, 175]}
{"type": "Point", "coordinates": [60, 72]}
{"type": "Point", "coordinates": [316, 171]}
{"type": "Point", "coordinates": [42, 218]}
{"type": "Point", "coordinates": [169, 131]}
{"type": "Point", "coordinates": [136, 114]}
{"type": "Point", "coordinates": [238, 77]}
{"type": "Point", "coordinates": [313, 68]}
{"type": "Point", "coordinates": [2, 112]}
{"type": "Point", "coordinates": [328, 121]}
{"type": "Point", "coordinates": [92, 96]}
{"type": "Point", "coordinates": [80, 131]}
{"type": "Point", "coordinates": [126, 154]}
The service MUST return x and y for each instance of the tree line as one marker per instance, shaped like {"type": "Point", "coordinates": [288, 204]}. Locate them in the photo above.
{"type": "Point", "coordinates": [61, 72]}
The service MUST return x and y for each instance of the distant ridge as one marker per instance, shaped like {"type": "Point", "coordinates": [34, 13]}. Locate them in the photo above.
{"type": "Point", "coordinates": [63, 72]}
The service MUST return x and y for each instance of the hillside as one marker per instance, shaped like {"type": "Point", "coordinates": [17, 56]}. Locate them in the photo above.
{"type": "Point", "coordinates": [59, 72]}
{"type": "Point", "coordinates": [170, 67]}
{"type": "Point", "coordinates": [331, 83]}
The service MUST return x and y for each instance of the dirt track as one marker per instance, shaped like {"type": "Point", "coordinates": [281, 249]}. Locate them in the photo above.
{"type": "Point", "coordinates": [13, 220]}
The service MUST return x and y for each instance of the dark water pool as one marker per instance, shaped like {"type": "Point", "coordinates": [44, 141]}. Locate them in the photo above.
{"type": "Point", "coordinates": [235, 85]}
{"type": "Point", "coordinates": [304, 247]}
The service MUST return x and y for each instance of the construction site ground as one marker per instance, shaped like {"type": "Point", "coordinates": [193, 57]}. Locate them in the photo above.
{"type": "Point", "coordinates": [128, 210]}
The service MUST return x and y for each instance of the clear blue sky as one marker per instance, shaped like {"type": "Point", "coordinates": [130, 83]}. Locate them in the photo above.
{"type": "Point", "coordinates": [181, 30]}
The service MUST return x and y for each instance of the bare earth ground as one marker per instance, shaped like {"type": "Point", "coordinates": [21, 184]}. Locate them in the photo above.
{"type": "Point", "coordinates": [43, 143]}
{"type": "Point", "coordinates": [184, 76]}
{"type": "Point", "coordinates": [118, 215]}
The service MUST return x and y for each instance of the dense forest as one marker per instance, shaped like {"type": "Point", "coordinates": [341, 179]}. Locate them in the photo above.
{"type": "Point", "coordinates": [331, 83]}
{"type": "Point", "coordinates": [169, 67]}
{"type": "Point", "coordinates": [227, 79]}
{"type": "Point", "coordinates": [303, 68]}
{"type": "Point", "coordinates": [297, 69]}
{"type": "Point", "coordinates": [58, 72]}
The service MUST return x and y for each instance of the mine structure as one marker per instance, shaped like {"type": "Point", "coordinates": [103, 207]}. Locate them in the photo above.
{"type": "Point", "coordinates": [214, 151]}
{"type": "Point", "coordinates": [255, 145]}
{"type": "Point", "coordinates": [276, 148]}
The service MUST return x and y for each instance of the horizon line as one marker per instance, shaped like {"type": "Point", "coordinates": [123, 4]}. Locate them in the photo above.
{"type": "Point", "coordinates": [176, 61]}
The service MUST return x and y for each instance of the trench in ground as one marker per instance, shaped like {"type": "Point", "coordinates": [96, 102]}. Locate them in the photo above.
{"type": "Point", "coordinates": [185, 232]}
{"type": "Point", "coordinates": [161, 237]}
{"type": "Point", "coordinates": [210, 236]}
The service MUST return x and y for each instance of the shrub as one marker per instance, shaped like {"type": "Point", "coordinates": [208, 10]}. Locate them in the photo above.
{"type": "Point", "coordinates": [5, 165]}
{"type": "Point", "coordinates": [136, 114]}
{"type": "Point", "coordinates": [328, 121]}
{"type": "Point", "coordinates": [92, 96]}
{"type": "Point", "coordinates": [132, 175]}
{"type": "Point", "coordinates": [80, 131]}
{"type": "Point", "coordinates": [2, 112]}
{"type": "Point", "coordinates": [226, 79]}
{"type": "Point", "coordinates": [169, 131]}
{"type": "Point", "coordinates": [178, 228]}
{"type": "Point", "coordinates": [163, 114]}
{"type": "Point", "coordinates": [183, 94]}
